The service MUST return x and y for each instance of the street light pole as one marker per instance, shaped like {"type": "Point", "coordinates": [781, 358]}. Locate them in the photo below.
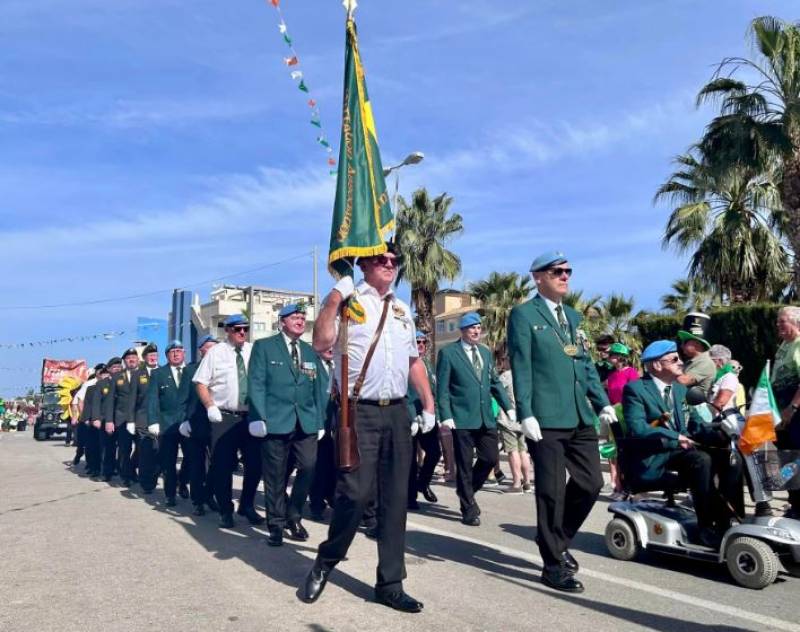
{"type": "Point", "coordinates": [414, 158]}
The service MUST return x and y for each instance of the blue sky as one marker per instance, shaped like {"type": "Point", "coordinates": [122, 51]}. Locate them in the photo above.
{"type": "Point", "coordinates": [151, 144]}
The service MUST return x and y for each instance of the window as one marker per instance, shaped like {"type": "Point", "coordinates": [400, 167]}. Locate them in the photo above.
{"type": "Point", "coordinates": [440, 327]}
{"type": "Point", "coordinates": [451, 325]}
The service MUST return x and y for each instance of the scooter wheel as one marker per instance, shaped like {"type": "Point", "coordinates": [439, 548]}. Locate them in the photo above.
{"type": "Point", "coordinates": [751, 562]}
{"type": "Point", "coordinates": [621, 540]}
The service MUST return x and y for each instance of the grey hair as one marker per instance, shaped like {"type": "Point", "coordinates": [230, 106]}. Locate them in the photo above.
{"type": "Point", "coordinates": [792, 312]}
{"type": "Point", "coordinates": [721, 352]}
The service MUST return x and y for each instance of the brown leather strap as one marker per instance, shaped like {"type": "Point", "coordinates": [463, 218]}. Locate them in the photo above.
{"type": "Point", "coordinates": [362, 376]}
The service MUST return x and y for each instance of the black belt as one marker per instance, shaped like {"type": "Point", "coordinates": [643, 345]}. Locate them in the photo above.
{"type": "Point", "coordinates": [239, 413]}
{"type": "Point", "coordinates": [381, 402]}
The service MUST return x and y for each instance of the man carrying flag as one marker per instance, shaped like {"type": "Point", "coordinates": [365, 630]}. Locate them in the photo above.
{"type": "Point", "coordinates": [375, 355]}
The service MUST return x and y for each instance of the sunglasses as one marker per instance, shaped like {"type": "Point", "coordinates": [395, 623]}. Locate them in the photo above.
{"type": "Point", "coordinates": [386, 262]}
{"type": "Point", "coordinates": [557, 272]}
{"type": "Point", "coordinates": [241, 329]}
{"type": "Point", "coordinates": [673, 360]}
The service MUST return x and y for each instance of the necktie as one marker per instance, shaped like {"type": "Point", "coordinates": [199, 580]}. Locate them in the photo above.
{"type": "Point", "coordinates": [241, 374]}
{"type": "Point", "coordinates": [295, 356]}
{"type": "Point", "coordinates": [128, 376]}
{"type": "Point", "coordinates": [178, 371]}
{"type": "Point", "coordinates": [667, 398]}
{"type": "Point", "coordinates": [562, 321]}
{"type": "Point", "coordinates": [476, 361]}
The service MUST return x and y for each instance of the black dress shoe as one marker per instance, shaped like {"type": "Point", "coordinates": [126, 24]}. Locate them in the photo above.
{"type": "Point", "coordinates": [314, 583]}
{"type": "Point", "coordinates": [126, 482]}
{"type": "Point", "coordinates": [413, 505]}
{"type": "Point", "coordinates": [372, 532]}
{"type": "Point", "coordinates": [275, 537]}
{"type": "Point", "coordinates": [183, 491]}
{"type": "Point", "coordinates": [147, 492]}
{"type": "Point", "coordinates": [569, 562]}
{"type": "Point", "coordinates": [472, 521]}
{"type": "Point", "coordinates": [226, 521]}
{"type": "Point", "coordinates": [251, 514]}
{"type": "Point", "coordinates": [212, 504]}
{"type": "Point", "coordinates": [296, 531]}
{"type": "Point", "coordinates": [399, 601]}
{"type": "Point", "coordinates": [763, 509]}
{"type": "Point", "coordinates": [710, 538]}
{"type": "Point", "coordinates": [199, 510]}
{"type": "Point", "coordinates": [427, 494]}
{"type": "Point", "coordinates": [561, 579]}
{"type": "Point", "coordinates": [170, 501]}
{"type": "Point", "coordinates": [76, 460]}
{"type": "Point", "coordinates": [107, 479]}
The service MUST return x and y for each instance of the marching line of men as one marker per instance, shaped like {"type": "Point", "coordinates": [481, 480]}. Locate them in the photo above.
{"type": "Point", "coordinates": [272, 405]}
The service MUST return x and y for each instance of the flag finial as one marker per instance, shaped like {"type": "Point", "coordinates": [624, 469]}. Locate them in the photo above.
{"type": "Point", "coordinates": [350, 7]}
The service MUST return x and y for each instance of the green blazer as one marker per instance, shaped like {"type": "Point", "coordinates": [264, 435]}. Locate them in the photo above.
{"type": "Point", "coordinates": [558, 389]}
{"type": "Point", "coordinates": [414, 401]}
{"type": "Point", "coordinates": [281, 396]}
{"type": "Point", "coordinates": [461, 395]}
{"type": "Point", "coordinates": [641, 404]}
{"type": "Point", "coordinates": [166, 401]}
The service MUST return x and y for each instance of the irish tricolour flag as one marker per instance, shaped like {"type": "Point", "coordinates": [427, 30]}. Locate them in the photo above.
{"type": "Point", "coordinates": [762, 417]}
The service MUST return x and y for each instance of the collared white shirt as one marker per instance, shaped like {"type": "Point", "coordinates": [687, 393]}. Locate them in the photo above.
{"type": "Point", "coordinates": [81, 394]}
{"type": "Point", "coordinates": [174, 370]}
{"type": "Point", "coordinates": [387, 375]}
{"type": "Point", "coordinates": [661, 386]}
{"type": "Point", "coordinates": [551, 305]}
{"type": "Point", "coordinates": [468, 350]}
{"type": "Point", "coordinates": [150, 370]}
{"type": "Point", "coordinates": [288, 340]}
{"type": "Point", "coordinates": [218, 372]}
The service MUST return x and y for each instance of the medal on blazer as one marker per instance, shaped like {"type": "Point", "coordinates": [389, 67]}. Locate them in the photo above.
{"type": "Point", "coordinates": [571, 350]}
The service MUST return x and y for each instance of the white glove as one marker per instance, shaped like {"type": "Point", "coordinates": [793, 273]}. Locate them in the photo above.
{"type": "Point", "coordinates": [449, 423]}
{"type": "Point", "coordinates": [214, 414]}
{"type": "Point", "coordinates": [729, 424]}
{"type": "Point", "coordinates": [511, 414]}
{"type": "Point", "coordinates": [414, 428]}
{"type": "Point", "coordinates": [608, 415]}
{"type": "Point", "coordinates": [345, 287]}
{"type": "Point", "coordinates": [258, 429]}
{"type": "Point", "coordinates": [426, 421]}
{"type": "Point", "coordinates": [185, 429]}
{"type": "Point", "coordinates": [320, 433]}
{"type": "Point", "coordinates": [153, 429]}
{"type": "Point", "coordinates": [130, 427]}
{"type": "Point", "coordinates": [531, 429]}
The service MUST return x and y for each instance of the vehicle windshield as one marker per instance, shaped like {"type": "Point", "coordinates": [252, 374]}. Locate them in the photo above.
{"type": "Point", "coordinates": [50, 398]}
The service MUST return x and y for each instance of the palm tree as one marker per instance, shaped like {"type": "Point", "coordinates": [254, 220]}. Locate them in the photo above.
{"type": "Point", "coordinates": [423, 231]}
{"type": "Point", "coordinates": [759, 122]}
{"type": "Point", "coordinates": [729, 217]}
{"type": "Point", "coordinates": [594, 319]}
{"type": "Point", "coordinates": [620, 321]}
{"type": "Point", "coordinates": [498, 294]}
{"type": "Point", "coordinates": [688, 295]}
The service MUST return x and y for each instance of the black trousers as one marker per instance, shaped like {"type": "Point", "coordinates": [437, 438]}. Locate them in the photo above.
{"type": "Point", "coordinates": [109, 443]}
{"type": "Point", "coordinates": [149, 465]}
{"type": "Point", "coordinates": [481, 442]}
{"type": "Point", "coordinates": [228, 437]}
{"type": "Point", "coordinates": [80, 440]}
{"type": "Point", "coordinates": [730, 476]}
{"type": "Point", "coordinates": [789, 439]}
{"type": "Point", "coordinates": [276, 451]}
{"type": "Point", "coordinates": [323, 485]}
{"type": "Point", "coordinates": [197, 450]}
{"type": "Point", "coordinates": [168, 444]}
{"type": "Point", "coordinates": [694, 469]}
{"type": "Point", "coordinates": [94, 455]}
{"type": "Point", "coordinates": [420, 477]}
{"type": "Point", "coordinates": [125, 441]}
{"type": "Point", "coordinates": [384, 443]}
{"type": "Point", "coordinates": [561, 506]}
{"type": "Point", "coordinates": [68, 435]}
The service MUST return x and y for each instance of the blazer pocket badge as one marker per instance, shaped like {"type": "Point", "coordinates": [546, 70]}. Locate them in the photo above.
{"type": "Point", "coordinates": [121, 382]}
{"type": "Point", "coordinates": [309, 370]}
{"type": "Point", "coordinates": [142, 379]}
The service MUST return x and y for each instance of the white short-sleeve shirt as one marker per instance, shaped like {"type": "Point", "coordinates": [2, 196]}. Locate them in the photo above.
{"type": "Point", "coordinates": [387, 375]}
{"type": "Point", "coordinates": [218, 372]}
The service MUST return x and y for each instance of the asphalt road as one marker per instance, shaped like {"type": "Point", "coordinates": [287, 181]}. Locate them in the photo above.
{"type": "Point", "coordinates": [82, 555]}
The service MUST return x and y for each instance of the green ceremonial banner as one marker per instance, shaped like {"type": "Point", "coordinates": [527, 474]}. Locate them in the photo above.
{"type": "Point", "coordinates": [362, 215]}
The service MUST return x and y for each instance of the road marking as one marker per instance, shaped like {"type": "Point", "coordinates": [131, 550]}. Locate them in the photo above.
{"type": "Point", "coordinates": [732, 611]}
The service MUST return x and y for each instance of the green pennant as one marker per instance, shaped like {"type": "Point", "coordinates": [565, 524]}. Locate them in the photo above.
{"type": "Point", "coordinates": [302, 86]}
{"type": "Point", "coordinates": [362, 215]}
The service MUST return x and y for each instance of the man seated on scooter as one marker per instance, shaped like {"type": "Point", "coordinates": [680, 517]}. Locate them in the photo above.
{"type": "Point", "coordinates": [655, 408]}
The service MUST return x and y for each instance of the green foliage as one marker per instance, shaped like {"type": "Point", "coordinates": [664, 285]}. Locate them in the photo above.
{"type": "Point", "coordinates": [498, 294]}
{"type": "Point", "coordinates": [688, 295]}
{"type": "Point", "coordinates": [423, 231]}
{"type": "Point", "coordinates": [747, 330]}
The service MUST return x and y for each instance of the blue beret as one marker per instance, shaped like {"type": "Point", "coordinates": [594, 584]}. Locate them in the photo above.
{"type": "Point", "coordinates": [658, 349]}
{"type": "Point", "coordinates": [175, 344]}
{"type": "Point", "coordinates": [292, 308]}
{"type": "Point", "coordinates": [469, 319]}
{"type": "Point", "coordinates": [547, 259]}
{"type": "Point", "coordinates": [235, 319]}
{"type": "Point", "coordinates": [421, 335]}
{"type": "Point", "coordinates": [205, 339]}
